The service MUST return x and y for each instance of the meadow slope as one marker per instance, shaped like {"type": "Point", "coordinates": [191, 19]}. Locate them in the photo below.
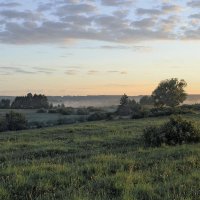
{"type": "Point", "coordinates": [97, 160]}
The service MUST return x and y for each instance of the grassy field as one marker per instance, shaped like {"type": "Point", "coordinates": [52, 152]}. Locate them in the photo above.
{"type": "Point", "coordinates": [33, 116]}
{"type": "Point", "coordinates": [98, 160]}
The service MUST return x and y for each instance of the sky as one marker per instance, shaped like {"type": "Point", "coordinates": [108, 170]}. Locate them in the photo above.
{"type": "Point", "coordinates": [98, 47]}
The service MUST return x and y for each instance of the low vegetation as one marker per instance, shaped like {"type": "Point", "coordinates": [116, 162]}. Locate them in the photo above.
{"type": "Point", "coordinates": [97, 160]}
{"type": "Point", "coordinates": [175, 131]}
{"type": "Point", "coordinates": [13, 121]}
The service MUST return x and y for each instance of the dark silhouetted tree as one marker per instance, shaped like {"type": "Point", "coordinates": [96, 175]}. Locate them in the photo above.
{"type": "Point", "coordinates": [170, 93]}
{"type": "Point", "coordinates": [124, 100]}
{"type": "Point", "coordinates": [127, 106]}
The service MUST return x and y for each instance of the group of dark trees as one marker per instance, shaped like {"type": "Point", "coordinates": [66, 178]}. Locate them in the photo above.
{"type": "Point", "coordinates": [26, 102]}
{"type": "Point", "coordinates": [13, 121]}
{"type": "Point", "coordinates": [169, 94]}
{"type": "Point", "coordinates": [128, 106]}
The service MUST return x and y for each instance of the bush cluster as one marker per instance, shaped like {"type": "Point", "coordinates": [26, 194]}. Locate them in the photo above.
{"type": "Point", "coordinates": [97, 116]}
{"type": "Point", "coordinates": [74, 111]}
{"type": "Point", "coordinates": [175, 131]}
{"type": "Point", "coordinates": [13, 121]}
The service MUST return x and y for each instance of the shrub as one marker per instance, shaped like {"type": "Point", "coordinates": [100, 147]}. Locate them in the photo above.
{"type": "Point", "coordinates": [167, 111]}
{"type": "Point", "coordinates": [13, 121]}
{"type": "Point", "coordinates": [97, 116]}
{"type": "Point", "coordinates": [67, 111]}
{"type": "Point", "coordinates": [195, 107]}
{"type": "Point", "coordinates": [178, 131]}
{"type": "Point", "coordinates": [42, 110]}
{"type": "Point", "coordinates": [3, 124]}
{"type": "Point", "coordinates": [175, 131]}
{"type": "Point", "coordinates": [93, 109]}
{"type": "Point", "coordinates": [82, 111]}
{"type": "Point", "coordinates": [53, 111]}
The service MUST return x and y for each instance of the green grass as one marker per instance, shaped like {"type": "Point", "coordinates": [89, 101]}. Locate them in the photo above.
{"type": "Point", "coordinates": [98, 160]}
{"type": "Point", "coordinates": [33, 116]}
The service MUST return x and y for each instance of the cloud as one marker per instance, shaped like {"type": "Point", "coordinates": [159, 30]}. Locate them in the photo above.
{"type": "Point", "coordinates": [145, 11]}
{"type": "Point", "coordinates": [195, 16]}
{"type": "Point", "coordinates": [194, 4]}
{"type": "Point", "coordinates": [118, 47]}
{"type": "Point", "coordinates": [169, 24]}
{"type": "Point", "coordinates": [117, 2]}
{"type": "Point", "coordinates": [12, 14]}
{"type": "Point", "coordinates": [92, 72]}
{"type": "Point", "coordinates": [7, 70]}
{"type": "Point", "coordinates": [123, 72]}
{"type": "Point", "coordinates": [144, 23]}
{"type": "Point", "coordinates": [11, 4]}
{"type": "Point", "coordinates": [117, 72]}
{"type": "Point", "coordinates": [72, 72]}
{"type": "Point", "coordinates": [74, 9]}
{"type": "Point", "coordinates": [164, 9]}
{"type": "Point", "coordinates": [168, 8]}
{"type": "Point", "coordinates": [64, 22]}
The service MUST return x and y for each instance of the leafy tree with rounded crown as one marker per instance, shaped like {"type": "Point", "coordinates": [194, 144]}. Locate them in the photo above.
{"type": "Point", "coordinates": [170, 92]}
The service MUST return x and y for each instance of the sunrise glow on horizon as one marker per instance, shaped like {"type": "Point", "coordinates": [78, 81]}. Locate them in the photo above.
{"type": "Point", "coordinates": [98, 47]}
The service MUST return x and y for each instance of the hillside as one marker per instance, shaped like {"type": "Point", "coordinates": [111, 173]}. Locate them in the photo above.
{"type": "Point", "coordinates": [100, 160]}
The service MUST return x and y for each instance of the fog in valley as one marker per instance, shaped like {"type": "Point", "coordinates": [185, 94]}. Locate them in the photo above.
{"type": "Point", "coordinates": [98, 101]}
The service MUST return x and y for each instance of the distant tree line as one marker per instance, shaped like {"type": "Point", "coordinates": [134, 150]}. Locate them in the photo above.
{"type": "Point", "coordinates": [26, 102]}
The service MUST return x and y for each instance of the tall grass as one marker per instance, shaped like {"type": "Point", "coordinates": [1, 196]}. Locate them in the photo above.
{"type": "Point", "coordinates": [101, 160]}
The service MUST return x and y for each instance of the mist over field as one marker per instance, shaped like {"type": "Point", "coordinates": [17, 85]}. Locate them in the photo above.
{"type": "Point", "coordinates": [98, 100]}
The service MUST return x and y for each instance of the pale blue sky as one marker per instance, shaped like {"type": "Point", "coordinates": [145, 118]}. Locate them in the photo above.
{"type": "Point", "coordinates": [80, 47]}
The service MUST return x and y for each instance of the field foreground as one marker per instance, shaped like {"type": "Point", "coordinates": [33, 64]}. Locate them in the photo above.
{"type": "Point", "coordinates": [98, 160]}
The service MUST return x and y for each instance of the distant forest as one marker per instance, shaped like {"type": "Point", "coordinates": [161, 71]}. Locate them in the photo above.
{"type": "Point", "coordinates": [97, 101]}
{"type": "Point", "coordinates": [26, 102]}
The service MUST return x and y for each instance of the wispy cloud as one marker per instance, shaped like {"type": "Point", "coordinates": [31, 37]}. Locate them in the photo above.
{"type": "Point", "coordinates": [72, 72]}
{"type": "Point", "coordinates": [8, 70]}
{"type": "Point", "coordinates": [92, 72]}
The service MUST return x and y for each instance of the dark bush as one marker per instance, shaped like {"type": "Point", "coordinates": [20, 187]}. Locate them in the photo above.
{"type": "Point", "coordinates": [138, 115]}
{"type": "Point", "coordinates": [97, 116]}
{"type": "Point", "coordinates": [15, 121]}
{"type": "Point", "coordinates": [42, 110]}
{"type": "Point", "coordinates": [167, 111]}
{"type": "Point", "coordinates": [93, 109]}
{"type": "Point", "coordinates": [195, 107]}
{"type": "Point", "coordinates": [3, 124]}
{"type": "Point", "coordinates": [66, 111]}
{"type": "Point", "coordinates": [82, 111]}
{"type": "Point", "coordinates": [53, 111]}
{"type": "Point", "coordinates": [36, 124]}
{"type": "Point", "coordinates": [176, 131]}
{"type": "Point", "coordinates": [159, 112]}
